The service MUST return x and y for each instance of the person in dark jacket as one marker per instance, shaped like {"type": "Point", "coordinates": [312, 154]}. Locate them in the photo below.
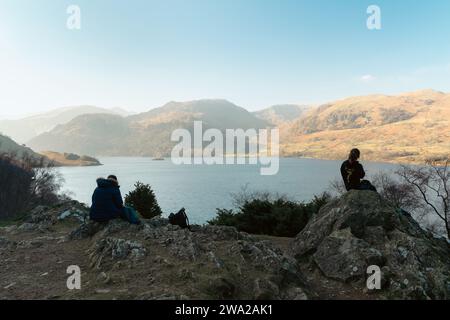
{"type": "Point", "coordinates": [107, 203]}
{"type": "Point", "coordinates": [353, 173]}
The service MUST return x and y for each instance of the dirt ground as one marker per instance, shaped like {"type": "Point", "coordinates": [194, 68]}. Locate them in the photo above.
{"type": "Point", "coordinates": [36, 268]}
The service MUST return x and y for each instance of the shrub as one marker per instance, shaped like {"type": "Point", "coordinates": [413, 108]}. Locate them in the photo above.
{"type": "Point", "coordinates": [15, 186]}
{"type": "Point", "coordinates": [24, 184]}
{"type": "Point", "coordinates": [279, 217]}
{"type": "Point", "coordinates": [143, 200]}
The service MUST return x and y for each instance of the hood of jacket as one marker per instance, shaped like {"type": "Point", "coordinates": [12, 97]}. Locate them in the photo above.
{"type": "Point", "coordinates": [106, 183]}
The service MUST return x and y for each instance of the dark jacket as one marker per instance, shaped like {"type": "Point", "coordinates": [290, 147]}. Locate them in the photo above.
{"type": "Point", "coordinates": [352, 173]}
{"type": "Point", "coordinates": [107, 201]}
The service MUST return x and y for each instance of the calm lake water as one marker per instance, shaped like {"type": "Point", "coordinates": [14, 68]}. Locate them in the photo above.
{"type": "Point", "coordinates": [203, 188]}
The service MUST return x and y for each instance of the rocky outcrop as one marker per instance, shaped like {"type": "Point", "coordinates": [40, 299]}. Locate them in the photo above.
{"type": "Point", "coordinates": [359, 230]}
{"type": "Point", "coordinates": [156, 260]}
{"type": "Point", "coordinates": [42, 218]}
{"type": "Point", "coordinates": [217, 262]}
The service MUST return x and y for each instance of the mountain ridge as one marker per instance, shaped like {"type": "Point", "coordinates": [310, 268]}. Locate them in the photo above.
{"type": "Point", "coordinates": [24, 129]}
{"type": "Point", "coordinates": [143, 134]}
{"type": "Point", "coordinates": [408, 127]}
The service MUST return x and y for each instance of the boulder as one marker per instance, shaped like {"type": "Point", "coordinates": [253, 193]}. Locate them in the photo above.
{"type": "Point", "coordinates": [361, 229]}
{"type": "Point", "coordinates": [7, 244]}
{"type": "Point", "coordinates": [86, 230]}
{"type": "Point", "coordinates": [110, 249]}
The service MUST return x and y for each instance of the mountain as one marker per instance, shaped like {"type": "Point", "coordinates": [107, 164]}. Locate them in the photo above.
{"type": "Point", "coordinates": [145, 134]}
{"type": "Point", "coordinates": [280, 114]}
{"type": "Point", "coordinates": [25, 129]}
{"type": "Point", "coordinates": [410, 127]}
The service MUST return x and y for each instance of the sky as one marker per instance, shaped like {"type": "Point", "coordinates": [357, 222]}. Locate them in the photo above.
{"type": "Point", "coordinates": [140, 54]}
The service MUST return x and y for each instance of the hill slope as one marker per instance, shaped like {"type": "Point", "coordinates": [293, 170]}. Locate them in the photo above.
{"type": "Point", "coordinates": [410, 127]}
{"type": "Point", "coordinates": [145, 134]}
{"type": "Point", "coordinates": [7, 145]}
{"type": "Point", "coordinates": [405, 128]}
{"type": "Point", "coordinates": [280, 114]}
{"type": "Point", "coordinates": [25, 129]}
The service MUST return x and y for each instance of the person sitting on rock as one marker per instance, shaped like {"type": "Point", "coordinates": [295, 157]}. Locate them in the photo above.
{"type": "Point", "coordinates": [107, 203]}
{"type": "Point", "coordinates": [353, 172]}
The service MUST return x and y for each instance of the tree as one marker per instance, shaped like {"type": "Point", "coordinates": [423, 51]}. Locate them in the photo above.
{"type": "Point", "coordinates": [432, 183]}
{"type": "Point", "coordinates": [143, 200]}
{"type": "Point", "coordinates": [26, 182]}
{"type": "Point", "coordinates": [399, 193]}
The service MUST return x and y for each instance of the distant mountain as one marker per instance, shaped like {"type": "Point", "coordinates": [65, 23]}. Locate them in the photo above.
{"type": "Point", "coordinates": [27, 128]}
{"type": "Point", "coordinates": [145, 134]}
{"type": "Point", "coordinates": [410, 127]}
{"type": "Point", "coordinates": [280, 114]}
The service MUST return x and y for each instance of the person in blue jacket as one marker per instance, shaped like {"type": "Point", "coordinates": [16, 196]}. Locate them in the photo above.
{"type": "Point", "coordinates": [107, 203]}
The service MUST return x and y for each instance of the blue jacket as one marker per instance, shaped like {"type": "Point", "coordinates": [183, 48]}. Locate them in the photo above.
{"type": "Point", "coordinates": [107, 201]}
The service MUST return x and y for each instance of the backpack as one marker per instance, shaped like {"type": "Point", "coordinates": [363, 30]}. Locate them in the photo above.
{"type": "Point", "coordinates": [180, 219]}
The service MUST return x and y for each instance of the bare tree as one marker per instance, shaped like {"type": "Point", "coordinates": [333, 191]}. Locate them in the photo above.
{"type": "Point", "coordinates": [432, 183]}
{"type": "Point", "coordinates": [337, 187]}
{"type": "Point", "coordinates": [25, 182]}
{"type": "Point", "coordinates": [399, 193]}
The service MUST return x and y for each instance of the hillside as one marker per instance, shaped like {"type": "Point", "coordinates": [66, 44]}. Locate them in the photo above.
{"type": "Point", "coordinates": [281, 114]}
{"type": "Point", "coordinates": [70, 159]}
{"type": "Point", "coordinates": [145, 134]}
{"type": "Point", "coordinates": [7, 145]}
{"type": "Point", "coordinates": [409, 127]}
{"type": "Point", "coordinates": [23, 130]}
{"type": "Point", "coordinates": [155, 260]}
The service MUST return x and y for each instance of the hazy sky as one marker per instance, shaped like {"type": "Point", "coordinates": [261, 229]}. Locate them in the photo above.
{"type": "Point", "coordinates": [255, 53]}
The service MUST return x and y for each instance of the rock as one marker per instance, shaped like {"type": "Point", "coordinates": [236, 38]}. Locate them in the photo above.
{"type": "Point", "coordinates": [42, 218]}
{"type": "Point", "coordinates": [77, 214]}
{"type": "Point", "coordinates": [221, 233]}
{"type": "Point", "coordinates": [104, 278]}
{"type": "Point", "coordinates": [295, 293]}
{"type": "Point", "coordinates": [40, 214]}
{"type": "Point", "coordinates": [156, 222]}
{"type": "Point", "coordinates": [28, 227]}
{"type": "Point", "coordinates": [102, 291]}
{"type": "Point", "coordinates": [343, 257]}
{"type": "Point", "coordinates": [361, 229]}
{"type": "Point", "coordinates": [9, 286]}
{"type": "Point", "coordinates": [115, 249]}
{"type": "Point", "coordinates": [29, 244]}
{"type": "Point", "coordinates": [9, 229]}
{"type": "Point", "coordinates": [265, 290]}
{"type": "Point", "coordinates": [7, 244]}
{"type": "Point", "coordinates": [86, 230]}
{"type": "Point", "coordinates": [71, 210]}
{"type": "Point", "coordinates": [218, 263]}
{"type": "Point", "coordinates": [118, 225]}
{"type": "Point", "coordinates": [222, 288]}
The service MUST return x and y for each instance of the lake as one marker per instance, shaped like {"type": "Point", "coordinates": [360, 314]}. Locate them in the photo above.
{"type": "Point", "coordinates": [203, 188]}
